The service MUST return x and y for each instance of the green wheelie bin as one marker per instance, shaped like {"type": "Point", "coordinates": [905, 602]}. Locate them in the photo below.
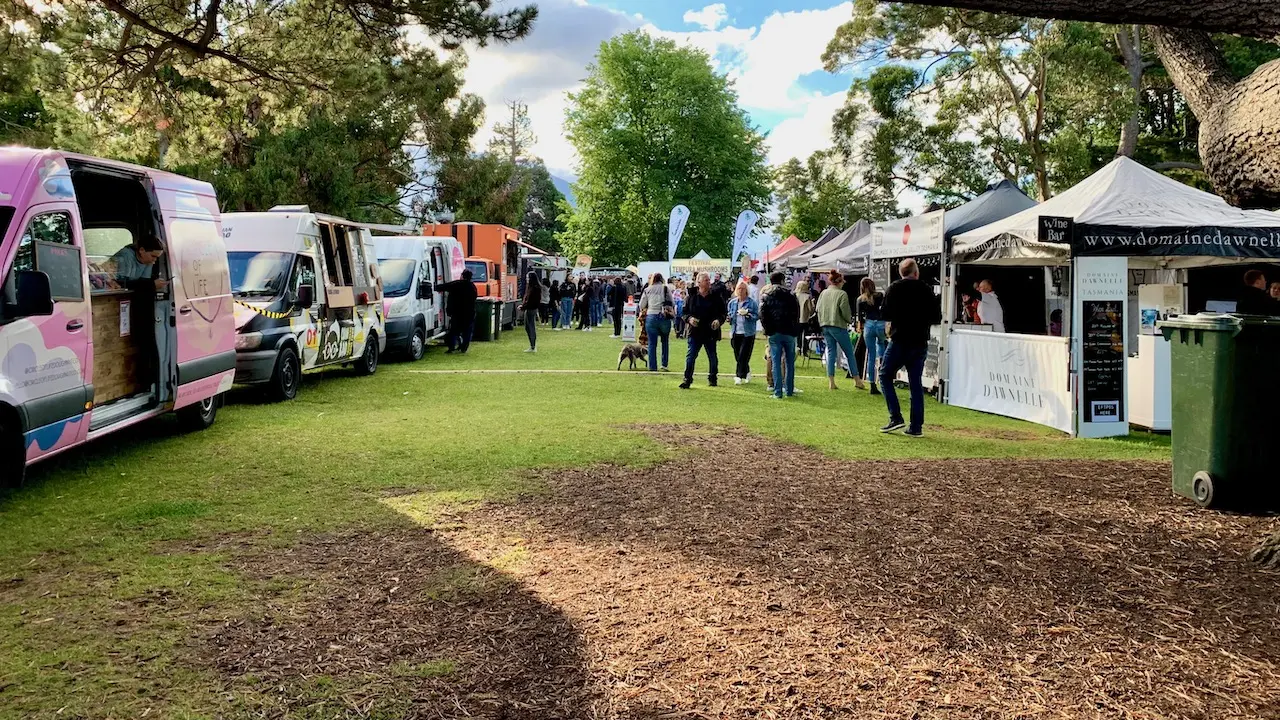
{"type": "Point", "coordinates": [483, 329]}
{"type": "Point", "coordinates": [1224, 390]}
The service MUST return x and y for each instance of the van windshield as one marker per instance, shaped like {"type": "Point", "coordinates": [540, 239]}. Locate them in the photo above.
{"type": "Point", "coordinates": [262, 274]}
{"type": "Point", "coordinates": [397, 276]}
{"type": "Point", "coordinates": [479, 271]}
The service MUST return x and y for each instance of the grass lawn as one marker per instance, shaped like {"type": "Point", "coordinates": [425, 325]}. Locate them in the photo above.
{"type": "Point", "coordinates": [118, 561]}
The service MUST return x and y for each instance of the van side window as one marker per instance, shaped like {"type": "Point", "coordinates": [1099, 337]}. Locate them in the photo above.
{"type": "Point", "coordinates": [48, 245]}
{"type": "Point", "coordinates": [101, 244]}
{"type": "Point", "coordinates": [304, 273]}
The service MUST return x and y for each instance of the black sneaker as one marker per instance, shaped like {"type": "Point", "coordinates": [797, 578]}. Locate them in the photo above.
{"type": "Point", "coordinates": [712, 383]}
{"type": "Point", "coordinates": [685, 385]}
{"type": "Point", "coordinates": [892, 426]}
{"type": "Point", "coordinates": [874, 390]}
{"type": "Point", "coordinates": [448, 352]}
{"type": "Point", "coordinates": [914, 433]}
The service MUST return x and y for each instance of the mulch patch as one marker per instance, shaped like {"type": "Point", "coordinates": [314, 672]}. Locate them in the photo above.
{"type": "Point", "coordinates": [753, 579]}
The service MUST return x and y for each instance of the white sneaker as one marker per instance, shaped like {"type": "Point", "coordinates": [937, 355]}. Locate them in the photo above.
{"type": "Point", "coordinates": [769, 389]}
{"type": "Point", "coordinates": [746, 379]}
{"type": "Point", "coordinates": [799, 391]}
{"type": "Point", "coordinates": [614, 337]}
{"type": "Point", "coordinates": [530, 350]}
{"type": "Point", "coordinates": [737, 381]}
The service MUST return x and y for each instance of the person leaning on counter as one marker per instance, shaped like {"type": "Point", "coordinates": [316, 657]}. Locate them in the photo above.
{"type": "Point", "coordinates": [136, 264]}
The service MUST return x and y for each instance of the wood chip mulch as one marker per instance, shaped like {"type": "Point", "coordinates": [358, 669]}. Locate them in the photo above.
{"type": "Point", "coordinates": [752, 579]}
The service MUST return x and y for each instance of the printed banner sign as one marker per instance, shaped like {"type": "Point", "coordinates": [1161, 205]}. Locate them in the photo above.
{"type": "Point", "coordinates": [1100, 332]}
{"type": "Point", "coordinates": [689, 267]}
{"type": "Point", "coordinates": [742, 230]}
{"type": "Point", "coordinates": [1117, 240]}
{"type": "Point", "coordinates": [1055, 229]}
{"type": "Point", "coordinates": [583, 265]}
{"type": "Point", "coordinates": [916, 237]}
{"type": "Point", "coordinates": [1021, 376]}
{"type": "Point", "coordinates": [675, 229]}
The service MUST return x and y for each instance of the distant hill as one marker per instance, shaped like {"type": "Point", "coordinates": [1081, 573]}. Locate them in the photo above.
{"type": "Point", "coordinates": [563, 186]}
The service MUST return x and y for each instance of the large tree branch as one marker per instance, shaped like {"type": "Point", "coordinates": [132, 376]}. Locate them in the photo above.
{"type": "Point", "coordinates": [1254, 18]}
{"type": "Point", "coordinates": [1195, 65]}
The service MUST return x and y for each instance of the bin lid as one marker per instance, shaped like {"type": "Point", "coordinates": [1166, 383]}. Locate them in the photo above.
{"type": "Point", "coordinates": [1204, 321]}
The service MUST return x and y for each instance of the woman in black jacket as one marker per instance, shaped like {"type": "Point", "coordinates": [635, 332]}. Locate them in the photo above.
{"type": "Point", "coordinates": [617, 299]}
{"type": "Point", "coordinates": [532, 302]}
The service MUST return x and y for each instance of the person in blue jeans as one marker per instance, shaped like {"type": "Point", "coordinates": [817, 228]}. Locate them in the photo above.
{"type": "Point", "coordinates": [567, 291]}
{"type": "Point", "coordinates": [871, 326]}
{"type": "Point", "coordinates": [705, 312]}
{"type": "Point", "coordinates": [835, 316]}
{"type": "Point", "coordinates": [656, 307]}
{"type": "Point", "coordinates": [910, 309]}
{"type": "Point", "coordinates": [780, 318]}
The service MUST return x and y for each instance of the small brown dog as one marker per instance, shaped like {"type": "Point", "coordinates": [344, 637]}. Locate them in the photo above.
{"type": "Point", "coordinates": [632, 352]}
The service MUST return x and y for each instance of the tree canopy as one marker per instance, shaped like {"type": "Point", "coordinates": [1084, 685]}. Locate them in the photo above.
{"type": "Point", "coordinates": [819, 194]}
{"type": "Point", "coordinates": [656, 126]}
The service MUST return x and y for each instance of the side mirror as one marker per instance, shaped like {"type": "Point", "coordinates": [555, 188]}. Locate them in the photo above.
{"type": "Point", "coordinates": [32, 293]}
{"type": "Point", "coordinates": [306, 296]}
{"type": "Point", "coordinates": [424, 290]}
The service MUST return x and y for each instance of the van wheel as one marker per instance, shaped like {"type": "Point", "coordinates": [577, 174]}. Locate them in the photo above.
{"type": "Point", "coordinates": [201, 415]}
{"type": "Point", "coordinates": [418, 344]}
{"type": "Point", "coordinates": [286, 376]}
{"type": "Point", "coordinates": [13, 453]}
{"type": "Point", "coordinates": [368, 363]}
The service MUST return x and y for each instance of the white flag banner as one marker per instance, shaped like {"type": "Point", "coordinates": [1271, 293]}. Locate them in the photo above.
{"type": "Point", "coordinates": [675, 229]}
{"type": "Point", "coordinates": [1020, 376]}
{"type": "Point", "coordinates": [746, 223]}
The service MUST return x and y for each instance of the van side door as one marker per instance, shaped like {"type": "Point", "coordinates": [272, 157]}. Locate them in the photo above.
{"type": "Point", "coordinates": [47, 359]}
{"type": "Point", "coordinates": [436, 278]}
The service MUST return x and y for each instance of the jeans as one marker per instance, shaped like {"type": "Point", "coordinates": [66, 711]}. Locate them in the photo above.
{"type": "Point", "coordinates": [743, 345]}
{"type": "Point", "coordinates": [459, 337]}
{"type": "Point", "coordinates": [566, 312]}
{"type": "Point", "coordinates": [837, 339]}
{"type": "Point", "coordinates": [531, 327]}
{"type": "Point", "coordinates": [597, 313]}
{"type": "Point", "coordinates": [783, 349]}
{"type": "Point", "coordinates": [655, 326]}
{"type": "Point", "coordinates": [873, 331]}
{"type": "Point", "coordinates": [912, 358]}
{"type": "Point", "coordinates": [698, 341]}
{"type": "Point", "coordinates": [555, 315]}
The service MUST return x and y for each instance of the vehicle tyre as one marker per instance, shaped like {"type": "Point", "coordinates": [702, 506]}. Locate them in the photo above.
{"type": "Point", "coordinates": [13, 453]}
{"type": "Point", "coordinates": [201, 415]}
{"type": "Point", "coordinates": [286, 377]}
{"type": "Point", "coordinates": [1203, 490]}
{"type": "Point", "coordinates": [368, 363]}
{"type": "Point", "coordinates": [418, 344]}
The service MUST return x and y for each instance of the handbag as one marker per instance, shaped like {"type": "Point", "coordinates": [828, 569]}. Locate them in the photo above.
{"type": "Point", "coordinates": [668, 307]}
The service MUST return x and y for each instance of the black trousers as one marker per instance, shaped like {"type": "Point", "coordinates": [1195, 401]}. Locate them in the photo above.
{"type": "Point", "coordinates": [617, 322]}
{"type": "Point", "coordinates": [743, 346]}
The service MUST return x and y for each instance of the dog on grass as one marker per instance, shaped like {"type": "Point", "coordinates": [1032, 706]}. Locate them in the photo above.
{"type": "Point", "coordinates": [632, 352]}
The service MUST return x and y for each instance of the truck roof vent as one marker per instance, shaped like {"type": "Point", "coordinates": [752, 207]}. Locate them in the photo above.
{"type": "Point", "coordinates": [291, 208]}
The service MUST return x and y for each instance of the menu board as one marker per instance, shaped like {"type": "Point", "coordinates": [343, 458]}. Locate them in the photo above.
{"type": "Point", "coordinates": [1103, 361]}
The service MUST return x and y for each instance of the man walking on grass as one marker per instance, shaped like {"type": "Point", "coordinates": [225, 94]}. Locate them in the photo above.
{"type": "Point", "coordinates": [909, 310]}
{"type": "Point", "coordinates": [780, 317]}
{"type": "Point", "coordinates": [705, 311]}
{"type": "Point", "coordinates": [460, 306]}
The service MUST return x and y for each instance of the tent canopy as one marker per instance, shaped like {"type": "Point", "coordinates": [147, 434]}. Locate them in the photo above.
{"type": "Point", "coordinates": [852, 248]}
{"type": "Point", "coordinates": [1129, 210]}
{"type": "Point", "coordinates": [702, 255]}
{"type": "Point", "coordinates": [786, 246]}
{"type": "Point", "coordinates": [781, 258]}
{"type": "Point", "coordinates": [800, 260]}
{"type": "Point", "coordinates": [1001, 200]}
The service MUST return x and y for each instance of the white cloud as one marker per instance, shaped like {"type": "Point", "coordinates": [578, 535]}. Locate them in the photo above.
{"type": "Point", "coordinates": [709, 17]}
{"type": "Point", "coordinates": [802, 135]}
{"type": "Point", "coordinates": [767, 61]}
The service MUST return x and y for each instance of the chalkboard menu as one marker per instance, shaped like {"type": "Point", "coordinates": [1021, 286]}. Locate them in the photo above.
{"type": "Point", "coordinates": [1103, 361]}
{"type": "Point", "coordinates": [880, 273]}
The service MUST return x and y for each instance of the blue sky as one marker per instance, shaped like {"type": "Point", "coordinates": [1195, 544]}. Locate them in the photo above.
{"type": "Point", "coordinates": [770, 48]}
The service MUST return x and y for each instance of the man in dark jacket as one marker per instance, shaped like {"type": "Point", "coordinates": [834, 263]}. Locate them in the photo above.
{"type": "Point", "coordinates": [1254, 299]}
{"type": "Point", "coordinates": [705, 312]}
{"type": "Point", "coordinates": [910, 309]}
{"type": "Point", "coordinates": [460, 306]}
{"type": "Point", "coordinates": [780, 318]}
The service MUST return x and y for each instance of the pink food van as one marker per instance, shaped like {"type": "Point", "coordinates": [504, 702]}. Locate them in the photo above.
{"type": "Point", "coordinates": [115, 302]}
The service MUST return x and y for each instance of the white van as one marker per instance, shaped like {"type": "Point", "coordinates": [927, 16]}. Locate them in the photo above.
{"type": "Point", "coordinates": [411, 267]}
{"type": "Point", "coordinates": [307, 295]}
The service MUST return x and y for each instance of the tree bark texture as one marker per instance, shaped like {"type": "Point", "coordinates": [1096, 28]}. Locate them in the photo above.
{"type": "Point", "coordinates": [1239, 121]}
{"type": "Point", "coordinates": [1254, 18]}
{"type": "Point", "coordinates": [1129, 40]}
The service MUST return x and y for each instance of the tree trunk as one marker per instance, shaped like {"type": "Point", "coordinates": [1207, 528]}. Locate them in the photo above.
{"type": "Point", "coordinates": [1239, 121]}
{"type": "Point", "coordinates": [1253, 18]}
{"type": "Point", "coordinates": [1129, 40]}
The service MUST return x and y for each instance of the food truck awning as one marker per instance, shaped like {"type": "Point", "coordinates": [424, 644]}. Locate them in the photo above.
{"type": "Point", "coordinates": [1125, 209]}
